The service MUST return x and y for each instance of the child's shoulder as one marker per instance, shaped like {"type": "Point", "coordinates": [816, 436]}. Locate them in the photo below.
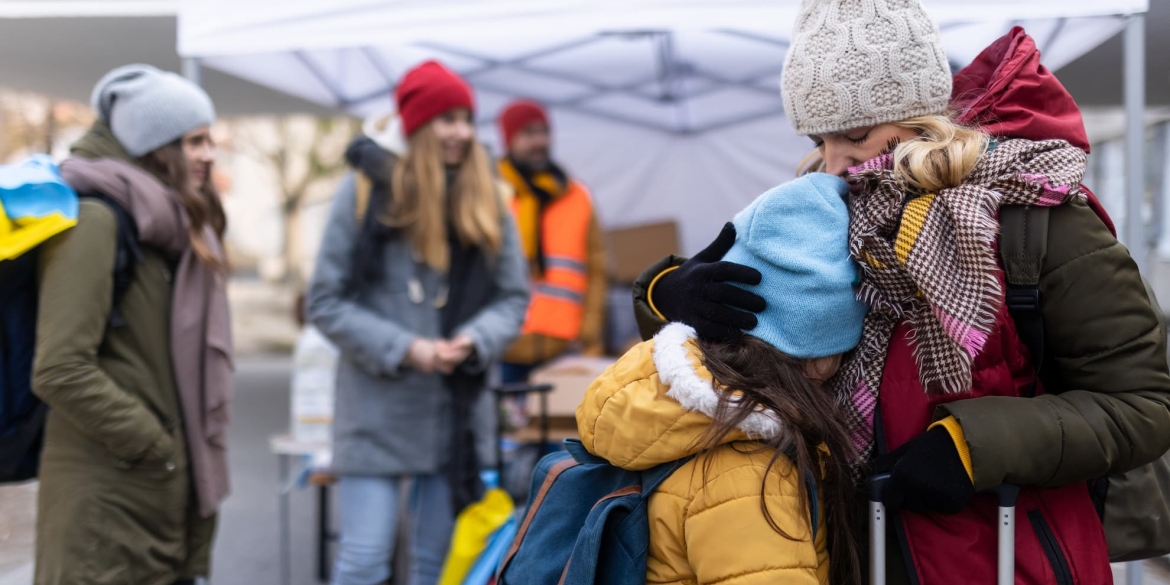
{"type": "Point", "coordinates": [738, 467]}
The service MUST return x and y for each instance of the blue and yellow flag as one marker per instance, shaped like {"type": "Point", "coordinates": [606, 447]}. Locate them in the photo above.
{"type": "Point", "coordinates": [35, 205]}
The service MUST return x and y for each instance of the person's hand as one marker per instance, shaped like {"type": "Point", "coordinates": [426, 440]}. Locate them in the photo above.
{"type": "Point", "coordinates": [421, 356]}
{"type": "Point", "coordinates": [926, 475]}
{"type": "Point", "coordinates": [451, 354]}
{"type": "Point", "coordinates": [701, 294]}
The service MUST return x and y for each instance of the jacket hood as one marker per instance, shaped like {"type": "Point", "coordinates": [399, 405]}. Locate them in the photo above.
{"type": "Point", "coordinates": [1008, 93]}
{"type": "Point", "coordinates": [386, 130]}
{"type": "Point", "coordinates": [366, 155]}
{"type": "Point", "coordinates": [655, 403]}
{"type": "Point", "coordinates": [99, 142]}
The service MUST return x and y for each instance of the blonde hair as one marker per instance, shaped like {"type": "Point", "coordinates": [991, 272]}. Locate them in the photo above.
{"type": "Point", "coordinates": [942, 155]}
{"type": "Point", "coordinates": [425, 207]}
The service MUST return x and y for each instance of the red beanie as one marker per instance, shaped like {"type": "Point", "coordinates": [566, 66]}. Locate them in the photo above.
{"type": "Point", "coordinates": [518, 115]}
{"type": "Point", "coordinates": [428, 91]}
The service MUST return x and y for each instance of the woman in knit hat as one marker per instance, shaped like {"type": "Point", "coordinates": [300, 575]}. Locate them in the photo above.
{"type": "Point", "coordinates": [135, 363]}
{"type": "Point", "coordinates": [943, 391]}
{"type": "Point", "coordinates": [421, 284]}
{"type": "Point", "coordinates": [749, 413]}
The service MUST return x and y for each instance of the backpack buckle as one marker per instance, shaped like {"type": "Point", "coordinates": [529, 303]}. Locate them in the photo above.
{"type": "Point", "coordinates": [1026, 298]}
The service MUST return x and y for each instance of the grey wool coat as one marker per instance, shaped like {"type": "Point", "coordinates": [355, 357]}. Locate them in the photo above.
{"type": "Point", "coordinates": [390, 420]}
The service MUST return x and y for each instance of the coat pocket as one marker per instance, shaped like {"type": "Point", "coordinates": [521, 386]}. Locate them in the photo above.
{"type": "Point", "coordinates": [162, 455]}
{"type": "Point", "coordinates": [97, 525]}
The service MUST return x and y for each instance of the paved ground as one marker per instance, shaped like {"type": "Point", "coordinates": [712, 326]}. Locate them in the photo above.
{"type": "Point", "coordinates": [247, 550]}
{"type": "Point", "coordinates": [17, 514]}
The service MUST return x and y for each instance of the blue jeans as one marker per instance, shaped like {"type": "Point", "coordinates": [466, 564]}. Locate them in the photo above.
{"type": "Point", "coordinates": [368, 516]}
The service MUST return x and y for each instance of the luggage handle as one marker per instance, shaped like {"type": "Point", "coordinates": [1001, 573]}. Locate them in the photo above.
{"type": "Point", "coordinates": [515, 389]}
{"type": "Point", "coordinates": [522, 389]}
{"type": "Point", "coordinates": [1006, 522]}
{"type": "Point", "coordinates": [877, 529]}
{"type": "Point", "coordinates": [1006, 496]}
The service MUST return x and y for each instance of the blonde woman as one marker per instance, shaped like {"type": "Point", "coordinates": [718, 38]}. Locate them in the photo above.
{"type": "Point", "coordinates": [421, 284]}
{"type": "Point", "coordinates": [942, 393]}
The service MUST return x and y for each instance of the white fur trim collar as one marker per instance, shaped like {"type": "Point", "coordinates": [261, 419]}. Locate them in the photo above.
{"type": "Point", "coordinates": [672, 358]}
{"type": "Point", "coordinates": [386, 131]}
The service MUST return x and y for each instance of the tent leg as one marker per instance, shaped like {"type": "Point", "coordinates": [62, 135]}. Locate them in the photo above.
{"type": "Point", "coordinates": [1135, 107]}
{"type": "Point", "coordinates": [193, 70]}
{"type": "Point", "coordinates": [1162, 192]}
{"type": "Point", "coordinates": [1134, 572]}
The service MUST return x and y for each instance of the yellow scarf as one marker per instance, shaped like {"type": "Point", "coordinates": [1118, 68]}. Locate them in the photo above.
{"type": "Point", "coordinates": [527, 204]}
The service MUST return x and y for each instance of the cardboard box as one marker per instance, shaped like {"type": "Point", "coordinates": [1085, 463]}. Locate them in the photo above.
{"type": "Point", "coordinates": [570, 377]}
{"type": "Point", "coordinates": [633, 249]}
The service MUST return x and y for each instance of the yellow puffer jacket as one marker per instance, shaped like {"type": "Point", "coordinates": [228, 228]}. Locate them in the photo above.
{"type": "Point", "coordinates": [706, 523]}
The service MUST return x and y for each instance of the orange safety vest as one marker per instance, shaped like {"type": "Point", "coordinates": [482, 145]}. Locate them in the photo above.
{"type": "Point", "coordinates": [557, 307]}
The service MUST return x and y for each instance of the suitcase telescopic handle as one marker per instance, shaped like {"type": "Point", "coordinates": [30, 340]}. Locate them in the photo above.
{"type": "Point", "coordinates": [1006, 496]}
{"type": "Point", "coordinates": [877, 529]}
{"type": "Point", "coordinates": [1006, 523]}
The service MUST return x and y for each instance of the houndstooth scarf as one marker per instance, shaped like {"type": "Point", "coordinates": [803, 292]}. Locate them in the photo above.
{"type": "Point", "coordinates": [930, 259]}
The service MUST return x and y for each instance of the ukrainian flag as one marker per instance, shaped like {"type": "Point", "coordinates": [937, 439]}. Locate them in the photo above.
{"type": "Point", "coordinates": [35, 205]}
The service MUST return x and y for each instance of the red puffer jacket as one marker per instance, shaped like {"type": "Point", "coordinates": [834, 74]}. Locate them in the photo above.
{"type": "Point", "coordinates": [1059, 539]}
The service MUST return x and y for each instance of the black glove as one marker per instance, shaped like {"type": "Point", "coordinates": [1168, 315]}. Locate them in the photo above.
{"type": "Point", "coordinates": [700, 293]}
{"type": "Point", "coordinates": [926, 475]}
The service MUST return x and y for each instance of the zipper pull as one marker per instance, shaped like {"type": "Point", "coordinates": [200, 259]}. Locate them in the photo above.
{"type": "Point", "coordinates": [415, 291]}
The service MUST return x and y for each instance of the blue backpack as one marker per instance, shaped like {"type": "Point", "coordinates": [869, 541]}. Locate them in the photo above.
{"type": "Point", "coordinates": [36, 204]}
{"type": "Point", "coordinates": [587, 523]}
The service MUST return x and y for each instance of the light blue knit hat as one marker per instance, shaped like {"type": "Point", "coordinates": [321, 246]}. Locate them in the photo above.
{"type": "Point", "coordinates": [797, 236]}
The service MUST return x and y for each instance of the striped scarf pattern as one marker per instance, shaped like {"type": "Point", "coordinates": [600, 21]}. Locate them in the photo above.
{"type": "Point", "coordinates": [930, 259]}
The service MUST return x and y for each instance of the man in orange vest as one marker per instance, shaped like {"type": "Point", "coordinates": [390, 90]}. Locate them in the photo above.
{"type": "Point", "coordinates": [562, 241]}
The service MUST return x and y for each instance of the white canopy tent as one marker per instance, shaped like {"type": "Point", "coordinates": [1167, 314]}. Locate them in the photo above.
{"type": "Point", "coordinates": [667, 109]}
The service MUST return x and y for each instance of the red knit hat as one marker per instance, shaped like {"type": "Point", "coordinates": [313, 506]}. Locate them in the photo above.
{"type": "Point", "coordinates": [518, 115]}
{"type": "Point", "coordinates": [428, 91]}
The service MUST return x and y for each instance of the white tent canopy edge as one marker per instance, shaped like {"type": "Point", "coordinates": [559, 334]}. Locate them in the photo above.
{"type": "Point", "coordinates": [667, 109]}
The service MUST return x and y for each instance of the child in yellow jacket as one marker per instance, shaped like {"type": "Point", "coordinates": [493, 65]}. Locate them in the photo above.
{"type": "Point", "coordinates": [753, 411]}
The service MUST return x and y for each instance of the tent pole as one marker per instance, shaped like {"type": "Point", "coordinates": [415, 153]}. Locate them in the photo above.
{"type": "Point", "coordinates": [1134, 572]}
{"type": "Point", "coordinates": [1162, 192]}
{"type": "Point", "coordinates": [193, 70]}
{"type": "Point", "coordinates": [1135, 108]}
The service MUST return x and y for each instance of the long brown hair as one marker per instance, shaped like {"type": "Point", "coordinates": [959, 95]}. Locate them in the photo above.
{"type": "Point", "coordinates": [423, 205]}
{"type": "Point", "coordinates": [759, 377]}
{"type": "Point", "coordinates": [203, 205]}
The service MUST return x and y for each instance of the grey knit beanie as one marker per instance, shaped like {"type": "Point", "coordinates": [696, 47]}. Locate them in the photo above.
{"type": "Point", "coordinates": [147, 108]}
{"type": "Point", "coordinates": [857, 63]}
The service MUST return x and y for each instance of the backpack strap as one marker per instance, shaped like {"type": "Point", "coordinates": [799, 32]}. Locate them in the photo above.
{"type": "Point", "coordinates": [814, 502]}
{"type": "Point", "coordinates": [366, 253]}
{"type": "Point", "coordinates": [126, 257]}
{"type": "Point", "coordinates": [1023, 244]}
{"type": "Point", "coordinates": [550, 478]}
{"type": "Point", "coordinates": [653, 477]}
{"type": "Point", "coordinates": [810, 488]}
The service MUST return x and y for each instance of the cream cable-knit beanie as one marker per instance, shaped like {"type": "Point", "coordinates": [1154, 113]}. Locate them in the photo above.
{"type": "Point", "coordinates": [856, 63]}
